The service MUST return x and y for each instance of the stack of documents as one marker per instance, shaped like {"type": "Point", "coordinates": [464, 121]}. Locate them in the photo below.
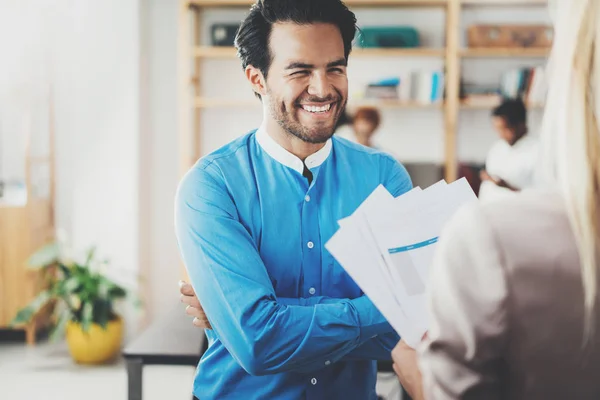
{"type": "Point", "coordinates": [387, 246]}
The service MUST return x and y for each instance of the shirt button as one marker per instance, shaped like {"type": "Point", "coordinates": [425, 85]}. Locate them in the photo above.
{"type": "Point", "coordinates": [312, 290]}
{"type": "Point", "coordinates": [327, 362]}
{"type": "Point", "coordinates": [310, 245]}
{"type": "Point", "coordinates": [307, 198]}
{"type": "Point", "coordinates": [313, 381]}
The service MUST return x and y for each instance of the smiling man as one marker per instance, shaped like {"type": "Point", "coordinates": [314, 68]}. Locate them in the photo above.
{"type": "Point", "coordinates": [253, 217]}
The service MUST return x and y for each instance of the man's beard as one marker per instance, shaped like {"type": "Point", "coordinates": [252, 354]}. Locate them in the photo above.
{"type": "Point", "coordinates": [286, 119]}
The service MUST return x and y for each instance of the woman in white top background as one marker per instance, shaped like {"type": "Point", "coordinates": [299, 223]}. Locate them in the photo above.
{"type": "Point", "coordinates": [514, 286]}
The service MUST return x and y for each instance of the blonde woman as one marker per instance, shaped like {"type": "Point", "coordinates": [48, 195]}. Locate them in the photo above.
{"type": "Point", "coordinates": [514, 290]}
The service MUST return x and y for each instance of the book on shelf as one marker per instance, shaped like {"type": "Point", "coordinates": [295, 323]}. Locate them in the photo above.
{"type": "Point", "coordinates": [421, 87]}
{"type": "Point", "coordinates": [526, 83]}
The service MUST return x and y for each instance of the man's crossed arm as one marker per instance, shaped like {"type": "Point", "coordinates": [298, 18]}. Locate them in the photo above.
{"type": "Point", "coordinates": [378, 348]}
{"type": "Point", "coordinates": [264, 334]}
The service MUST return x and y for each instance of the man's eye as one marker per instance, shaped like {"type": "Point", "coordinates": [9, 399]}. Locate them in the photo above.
{"type": "Point", "coordinates": [299, 73]}
{"type": "Point", "coordinates": [337, 70]}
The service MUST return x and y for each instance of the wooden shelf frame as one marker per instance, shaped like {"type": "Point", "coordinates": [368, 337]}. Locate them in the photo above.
{"type": "Point", "coordinates": [483, 106]}
{"type": "Point", "coordinates": [350, 3]}
{"type": "Point", "coordinates": [491, 52]}
{"type": "Point", "coordinates": [452, 55]}
{"type": "Point", "coordinates": [215, 52]}
{"type": "Point", "coordinates": [206, 103]}
{"type": "Point", "coordinates": [24, 228]}
{"type": "Point", "coordinates": [504, 3]}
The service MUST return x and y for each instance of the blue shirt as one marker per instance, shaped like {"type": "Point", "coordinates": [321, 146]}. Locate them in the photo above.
{"type": "Point", "coordinates": [288, 322]}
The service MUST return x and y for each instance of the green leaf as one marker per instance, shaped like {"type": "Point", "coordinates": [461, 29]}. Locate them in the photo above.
{"type": "Point", "coordinates": [44, 257]}
{"type": "Point", "coordinates": [26, 314]}
{"type": "Point", "coordinates": [102, 312]}
{"type": "Point", "coordinates": [64, 315]}
{"type": "Point", "coordinates": [71, 285]}
{"type": "Point", "coordinates": [117, 292]}
{"type": "Point", "coordinates": [65, 270]}
{"type": "Point", "coordinates": [90, 256]}
{"type": "Point", "coordinates": [104, 287]}
{"type": "Point", "coordinates": [86, 316]}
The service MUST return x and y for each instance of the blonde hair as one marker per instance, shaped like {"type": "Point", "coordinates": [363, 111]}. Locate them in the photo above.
{"type": "Point", "coordinates": [571, 133]}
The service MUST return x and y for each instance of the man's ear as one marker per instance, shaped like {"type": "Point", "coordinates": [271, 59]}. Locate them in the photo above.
{"type": "Point", "coordinates": [256, 79]}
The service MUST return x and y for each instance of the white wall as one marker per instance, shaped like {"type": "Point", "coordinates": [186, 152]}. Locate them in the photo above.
{"type": "Point", "coordinates": [23, 94]}
{"type": "Point", "coordinates": [165, 268]}
{"type": "Point", "coordinates": [89, 53]}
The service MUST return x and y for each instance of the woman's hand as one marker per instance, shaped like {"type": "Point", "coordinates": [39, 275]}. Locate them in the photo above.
{"type": "Point", "coordinates": [407, 368]}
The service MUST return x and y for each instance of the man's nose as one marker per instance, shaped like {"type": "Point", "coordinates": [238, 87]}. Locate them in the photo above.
{"type": "Point", "coordinates": [319, 85]}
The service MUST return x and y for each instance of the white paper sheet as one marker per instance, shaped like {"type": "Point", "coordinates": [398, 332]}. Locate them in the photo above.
{"type": "Point", "coordinates": [387, 246]}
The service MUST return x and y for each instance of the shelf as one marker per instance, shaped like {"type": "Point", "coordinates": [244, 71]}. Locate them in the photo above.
{"type": "Point", "coordinates": [509, 3]}
{"type": "Point", "coordinates": [505, 52]}
{"type": "Point", "coordinates": [230, 52]}
{"type": "Point", "coordinates": [532, 106]}
{"type": "Point", "coordinates": [384, 104]}
{"type": "Point", "coordinates": [408, 52]}
{"type": "Point", "coordinates": [392, 104]}
{"type": "Point", "coordinates": [350, 3]}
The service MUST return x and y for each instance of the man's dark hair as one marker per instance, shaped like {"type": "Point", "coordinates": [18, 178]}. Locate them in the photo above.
{"type": "Point", "coordinates": [513, 111]}
{"type": "Point", "coordinates": [252, 39]}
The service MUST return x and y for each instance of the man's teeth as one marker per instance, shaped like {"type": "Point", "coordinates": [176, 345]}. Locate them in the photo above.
{"type": "Point", "coordinates": [314, 109]}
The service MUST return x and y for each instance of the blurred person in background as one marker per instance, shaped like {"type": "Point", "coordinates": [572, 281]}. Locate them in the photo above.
{"type": "Point", "coordinates": [510, 164]}
{"type": "Point", "coordinates": [515, 311]}
{"type": "Point", "coordinates": [362, 126]}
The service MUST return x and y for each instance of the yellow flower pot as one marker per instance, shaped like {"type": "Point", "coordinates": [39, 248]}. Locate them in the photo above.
{"type": "Point", "coordinates": [96, 346]}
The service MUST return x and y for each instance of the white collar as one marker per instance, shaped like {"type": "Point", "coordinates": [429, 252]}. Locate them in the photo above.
{"type": "Point", "coordinates": [281, 155]}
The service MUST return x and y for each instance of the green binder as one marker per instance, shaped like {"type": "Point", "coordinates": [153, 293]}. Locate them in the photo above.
{"type": "Point", "coordinates": [388, 36]}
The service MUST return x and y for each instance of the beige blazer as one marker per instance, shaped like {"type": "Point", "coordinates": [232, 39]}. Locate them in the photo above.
{"type": "Point", "coordinates": [507, 307]}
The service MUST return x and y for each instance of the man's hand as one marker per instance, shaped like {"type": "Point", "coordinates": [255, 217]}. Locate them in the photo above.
{"type": "Point", "coordinates": [484, 176]}
{"type": "Point", "coordinates": [194, 308]}
{"type": "Point", "coordinates": [503, 184]}
{"type": "Point", "coordinates": [406, 367]}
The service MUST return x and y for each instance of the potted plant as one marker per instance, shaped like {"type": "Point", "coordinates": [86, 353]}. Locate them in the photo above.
{"type": "Point", "coordinates": [82, 300]}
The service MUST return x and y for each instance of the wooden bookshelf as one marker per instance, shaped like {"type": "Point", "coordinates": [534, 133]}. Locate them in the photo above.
{"type": "Point", "coordinates": [452, 55]}
{"type": "Point", "coordinates": [393, 104]}
{"type": "Point", "coordinates": [350, 3]}
{"type": "Point", "coordinates": [24, 228]}
{"type": "Point", "coordinates": [382, 3]}
{"type": "Point", "coordinates": [488, 106]}
{"type": "Point", "coordinates": [230, 52]}
{"type": "Point", "coordinates": [505, 52]}
{"type": "Point", "coordinates": [411, 52]}
{"type": "Point", "coordinates": [509, 3]}
{"type": "Point", "coordinates": [205, 103]}
{"type": "Point", "coordinates": [214, 52]}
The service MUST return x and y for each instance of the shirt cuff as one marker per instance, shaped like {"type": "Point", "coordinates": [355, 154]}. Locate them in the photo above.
{"type": "Point", "coordinates": [372, 322]}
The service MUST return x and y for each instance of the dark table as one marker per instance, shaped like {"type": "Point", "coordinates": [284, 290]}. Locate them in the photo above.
{"type": "Point", "coordinates": [171, 340]}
